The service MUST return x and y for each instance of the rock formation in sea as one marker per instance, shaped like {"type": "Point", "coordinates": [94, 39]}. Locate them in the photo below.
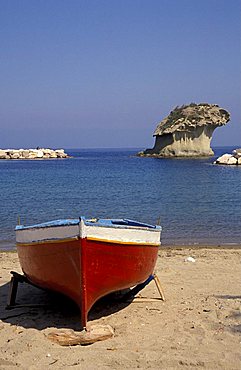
{"type": "Point", "coordinates": [187, 131]}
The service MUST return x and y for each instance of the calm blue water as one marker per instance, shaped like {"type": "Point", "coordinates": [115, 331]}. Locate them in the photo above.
{"type": "Point", "coordinates": [197, 201]}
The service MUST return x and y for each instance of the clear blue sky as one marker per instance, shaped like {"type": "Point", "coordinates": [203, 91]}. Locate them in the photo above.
{"type": "Point", "coordinates": [103, 73]}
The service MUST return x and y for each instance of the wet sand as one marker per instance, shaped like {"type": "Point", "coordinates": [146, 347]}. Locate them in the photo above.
{"type": "Point", "coordinates": [198, 326]}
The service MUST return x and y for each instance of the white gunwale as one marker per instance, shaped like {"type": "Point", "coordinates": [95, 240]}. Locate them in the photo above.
{"type": "Point", "coordinates": [59, 232]}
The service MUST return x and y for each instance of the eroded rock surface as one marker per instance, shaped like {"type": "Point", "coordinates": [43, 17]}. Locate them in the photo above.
{"type": "Point", "coordinates": [187, 131]}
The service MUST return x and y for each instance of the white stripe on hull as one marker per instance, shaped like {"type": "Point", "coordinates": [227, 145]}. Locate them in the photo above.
{"type": "Point", "coordinates": [32, 235]}
{"type": "Point", "coordinates": [126, 234]}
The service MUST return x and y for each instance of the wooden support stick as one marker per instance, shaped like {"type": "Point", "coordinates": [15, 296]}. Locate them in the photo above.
{"type": "Point", "coordinates": [144, 299]}
{"type": "Point", "coordinates": [13, 288]}
{"type": "Point", "coordinates": [159, 288]}
{"type": "Point", "coordinates": [12, 292]}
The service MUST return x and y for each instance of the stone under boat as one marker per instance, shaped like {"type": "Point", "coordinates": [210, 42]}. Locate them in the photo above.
{"type": "Point", "coordinates": [187, 131]}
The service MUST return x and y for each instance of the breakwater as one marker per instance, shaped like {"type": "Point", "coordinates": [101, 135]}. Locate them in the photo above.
{"type": "Point", "coordinates": [230, 159]}
{"type": "Point", "coordinates": [39, 153]}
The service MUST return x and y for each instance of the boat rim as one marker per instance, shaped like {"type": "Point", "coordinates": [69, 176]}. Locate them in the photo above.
{"type": "Point", "coordinates": [110, 223]}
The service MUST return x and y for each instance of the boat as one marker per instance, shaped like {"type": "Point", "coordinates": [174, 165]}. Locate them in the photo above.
{"type": "Point", "coordinates": [86, 259]}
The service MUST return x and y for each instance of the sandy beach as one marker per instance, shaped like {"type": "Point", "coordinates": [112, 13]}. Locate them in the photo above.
{"type": "Point", "coordinates": [198, 326]}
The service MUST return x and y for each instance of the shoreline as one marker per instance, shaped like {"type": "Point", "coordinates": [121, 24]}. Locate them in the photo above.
{"type": "Point", "coordinates": [225, 246]}
{"type": "Point", "coordinates": [201, 246]}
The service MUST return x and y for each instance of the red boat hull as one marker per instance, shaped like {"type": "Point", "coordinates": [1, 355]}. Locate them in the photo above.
{"type": "Point", "coordinates": [86, 270]}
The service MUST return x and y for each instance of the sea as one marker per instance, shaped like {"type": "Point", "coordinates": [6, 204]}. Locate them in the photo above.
{"type": "Point", "coordinates": [195, 201]}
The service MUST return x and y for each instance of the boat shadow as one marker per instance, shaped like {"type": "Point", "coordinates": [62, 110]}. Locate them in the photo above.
{"type": "Point", "coordinates": [40, 309]}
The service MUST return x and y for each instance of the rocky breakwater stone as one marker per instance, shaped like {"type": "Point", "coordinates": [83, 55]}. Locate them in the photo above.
{"type": "Point", "coordinates": [237, 153]}
{"type": "Point", "coordinates": [60, 153]}
{"type": "Point", "coordinates": [230, 159]}
{"type": "Point", "coordinates": [25, 153]}
{"type": "Point", "coordinates": [187, 131]}
{"type": "Point", "coordinates": [3, 154]}
{"type": "Point", "coordinates": [32, 153]}
{"type": "Point", "coordinates": [14, 154]}
{"type": "Point", "coordinates": [53, 155]}
{"type": "Point", "coordinates": [39, 154]}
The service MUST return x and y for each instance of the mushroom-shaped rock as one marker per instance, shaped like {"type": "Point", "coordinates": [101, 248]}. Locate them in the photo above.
{"type": "Point", "coordinates": [187, 131]}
